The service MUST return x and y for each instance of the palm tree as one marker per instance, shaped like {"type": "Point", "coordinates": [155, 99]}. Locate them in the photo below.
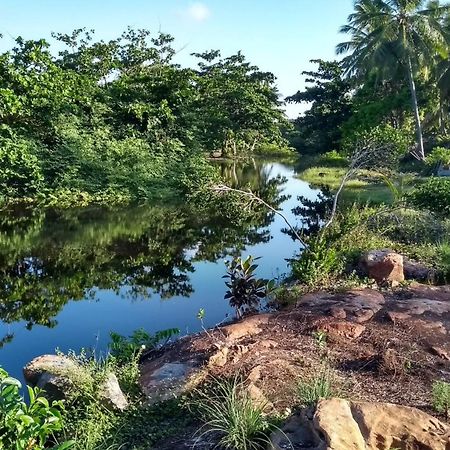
{"type": "Point", "coordinates": [392, 35]}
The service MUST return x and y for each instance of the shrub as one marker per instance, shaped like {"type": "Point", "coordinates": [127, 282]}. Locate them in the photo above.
{"type": "Point", "coordinates": [441, 396]}
{"type": "Point", "coordinates": [27, 426]}
{"type": "Point", "coordinates": [227, 409]}
{"type": "Point", "coordinates": [433, 195]}
{"type": "Point", "coordinates": [244, 290]}
{"type": "Point", "coordinates": [20, 173]}
{"type": "Point", "coordinates": [318, 262]}
{"type": "Point", "coordinates": [437, 156]}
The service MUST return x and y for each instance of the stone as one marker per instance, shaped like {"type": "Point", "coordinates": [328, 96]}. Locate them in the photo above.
{"type": "Point", "coordinates": [162, 381]}
{"type": "Point", "coordinates": [439, 351]}
{"type": "Point", "coordinates": [342, 328]}
{"type": "Point", "coordinates": [250, 326]}
{"type": "Point", "coordinates": [111, 395]}
{"type": "Point", "coordinates": [255, 374]}
{"type": "Point", "coordinates": [220, 358]}
{"type": "Point", "coordinates": [338, 313]}
{"type": "Point", "coordinates": [414, 270]}
{"type": "Point", "coordinates": [363, 315]}
{"type": "Point", "coordinates": [419, 306]}
{"type": "Point", "coordinates": [258, 397]}
{"type": "Point", "coordinates": [335, 421]}
{"type": "Point", "coordinates": [384, 266]}
{"type": "Point", "coordinates": [54, 364]}
{"type": "Point", "coordinates": [397, 316]}
{"type": "Point", "coordinates": [339, 424]}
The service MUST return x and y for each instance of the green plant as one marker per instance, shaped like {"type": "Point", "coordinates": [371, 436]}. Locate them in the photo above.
{"type": "Point", "coordinates": [28, 426]}
{"type": "Point", "coordinates": [433, 195]}
{"type": "Point", "coordinates": [439, 155]}
{"type": "Point", "coordinates": [320, 338]}
{"type": "Point", "coordinates": [244, 290]}
{"type": "Point", "coordinates": [441, 396]}
{"type": "Point", "coordinates": [125, 349]}
{"type": "Point", "coordinates": [317, 386]}
{"type": "Point", "coordinates": [317, 263]}
{"type": "Point", "coordinates": [227, 409]}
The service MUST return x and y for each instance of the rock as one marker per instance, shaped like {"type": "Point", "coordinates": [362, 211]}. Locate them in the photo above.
{"type": "Point", "coordinates": [397, 316]}
{"type": "Point", "coordinates": [247, 327]}
{"type": "Point", "coordinates": [419, 306]}
{"type": "Point", "coordinates": [255, 374]}
{"type": "Point", "coordinates": [53, 364]}
{"type": "Point", "coordinates": [57, 375]}
{"type": "Point", "coordinates": [111, 395]}
{"type": "Point", "coordinates": [219, 359]}
{"type": "Point", "coordinates": [338, 313]}
{"type": "Point", "coordinates": [342, 328]}
{"type": "Point", "coordinates": [417, 271]}
{"type": "Point", "coordinates": [346, 425]}
{"type": "Point", "coordinates": [52, 373]}
{"type": "Point", "coordinates": [384, 266]}
{"type": "Point", "coordinates": [335, 421]}
{"type": "Point", "coordinates": [162, 381]}
{"type": "Point", "coordinates": [440, 293]}
{"type": "Point", "coordinates": [440, 352]}
{"type": "Point", "coordinates": [258, 397]}
{"type": "Point", "coordinates": [363, 315]}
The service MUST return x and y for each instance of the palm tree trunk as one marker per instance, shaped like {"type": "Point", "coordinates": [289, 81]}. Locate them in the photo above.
{"type": "Point", "coordinates": [420, 154]}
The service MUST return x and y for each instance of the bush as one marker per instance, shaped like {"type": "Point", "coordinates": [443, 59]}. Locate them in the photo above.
{"type": "Point", "coordinates": [20, 173]}
{"type": "Point", "coordinates": [244, 290]}
{"type": "Point", "coordinates": [441, 396]}
{"type": "Point", "coordinates": [27, 426]}
{"type": "Point", "coordinates": [227, 409]}
{"type": "Point", "coordinates": [437, 156]}
{"type": "Point", "coordinates": [433, 195]}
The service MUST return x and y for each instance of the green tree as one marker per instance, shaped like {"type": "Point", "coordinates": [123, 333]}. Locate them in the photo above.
{"type": "Point", "coordinates": [388, 36]}
{"type": "Point", "coordinates": [330, 99]}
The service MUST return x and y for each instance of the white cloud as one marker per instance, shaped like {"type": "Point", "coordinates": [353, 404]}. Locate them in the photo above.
{"type": "Point", "coordinates": [198, 11]}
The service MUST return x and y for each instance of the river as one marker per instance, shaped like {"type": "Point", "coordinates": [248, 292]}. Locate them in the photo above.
{"type": "Point", "coordinates": [70, 277]}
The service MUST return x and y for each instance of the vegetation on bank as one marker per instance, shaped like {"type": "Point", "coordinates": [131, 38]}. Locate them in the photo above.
{"type": "Point", "coordinates": [119, 120]}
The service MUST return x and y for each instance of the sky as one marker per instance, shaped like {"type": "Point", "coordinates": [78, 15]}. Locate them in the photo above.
{"type": "Point", "coordinates": [279, 36]}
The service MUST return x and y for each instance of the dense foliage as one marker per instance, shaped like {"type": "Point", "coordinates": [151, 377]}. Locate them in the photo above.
{"type": "Point", "coordinates": [103, 119]}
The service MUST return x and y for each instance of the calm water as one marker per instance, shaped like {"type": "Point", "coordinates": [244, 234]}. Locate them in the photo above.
{"type": "Point", "coordinates": [70, 277]}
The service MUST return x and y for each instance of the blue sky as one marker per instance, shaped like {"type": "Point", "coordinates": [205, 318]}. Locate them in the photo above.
{"type": "Point", "coordinates": [278, 36]}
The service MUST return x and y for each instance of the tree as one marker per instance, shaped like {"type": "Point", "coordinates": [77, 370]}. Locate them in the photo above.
{"type": "Point", "coordinates": [388, 36]}
{"type": "Point", "coordinates": [329, 94]}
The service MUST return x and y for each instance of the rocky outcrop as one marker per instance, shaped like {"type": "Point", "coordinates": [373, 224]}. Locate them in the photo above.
{"type": "Point", "coordinates": [339, 424]}
{"type": "Point", "coordinates": [384, 266]}
{"type": "Point", "coordinates": [58, 375]}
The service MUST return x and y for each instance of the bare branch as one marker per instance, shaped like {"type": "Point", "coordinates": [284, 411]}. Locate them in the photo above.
{"type": "Point", "coordinates": [254, 198]}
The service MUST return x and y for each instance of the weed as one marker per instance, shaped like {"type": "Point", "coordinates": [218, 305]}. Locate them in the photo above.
{"type": "Point", "coordinates": [441, 396]}
{"type": "Point", "coordinates": [318, 386]}
{"type": "Point", "coordinates": [228, 411]}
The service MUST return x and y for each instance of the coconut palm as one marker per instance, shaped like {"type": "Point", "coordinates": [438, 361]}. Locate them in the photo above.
{"type": "Point", "coordinates": [392, 36]}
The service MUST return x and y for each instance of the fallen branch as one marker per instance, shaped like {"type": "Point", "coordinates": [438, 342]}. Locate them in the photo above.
{"type": "Point", "coordinates": [253, 197]}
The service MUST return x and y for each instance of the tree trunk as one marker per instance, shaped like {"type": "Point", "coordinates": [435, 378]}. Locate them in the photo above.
{"type": "Point", "coordinates": [420, 153]}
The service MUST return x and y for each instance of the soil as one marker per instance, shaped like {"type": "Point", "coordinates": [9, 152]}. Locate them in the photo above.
{"type": "Point", "coordinates": [380, 346]}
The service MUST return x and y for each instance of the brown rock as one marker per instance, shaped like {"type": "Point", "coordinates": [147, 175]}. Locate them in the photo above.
{"type": "Point", "coordinates": [363, 315]}
{"type": "Point", "coordinates": [54, 364]}
{"type": "Point", "coordinates": [219, 359]}
{"type": "Point", "coordinates": [337, 312]}
{"type": "Point", "coordinates": [248, 327]}
{"type": "Point", "coordinates": [335, 420]}
{"type": "Point", "coordinates": [348, 425]}
{"type": "Point", "coordinates": [414, 270]}
{"type": "Point", "coordinates": [397, 316]}
{"type": "Point", "coordinates": [255, 374]}
{"type": "Point", "coordinates": [440, 352]}
{"type": "Point", "coordinates": [384, 266]}
{"type": "Point", "coordinates": [342, 328]}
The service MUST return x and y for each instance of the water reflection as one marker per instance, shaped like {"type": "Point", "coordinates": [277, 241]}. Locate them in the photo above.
{"type": "Point", "coordinates": [48, 257]}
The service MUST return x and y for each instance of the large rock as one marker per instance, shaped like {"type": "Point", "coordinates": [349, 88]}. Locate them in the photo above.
{"type": "Point", "coordinates": [57, 375]}
{"type": "Point", "coordinates": [345, 425]}
{"type": "Point", "coordinates": [247, 327]}
{"type": "Point", "coordinates": [384, 266]}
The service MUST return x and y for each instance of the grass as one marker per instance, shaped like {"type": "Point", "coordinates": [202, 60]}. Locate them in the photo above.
{"type": "Point", "coordinates": [441, 396]}
{"type": "Point", "coordinates": [228, 412]}
{"type": "Point", "coordinates": [319, 386]}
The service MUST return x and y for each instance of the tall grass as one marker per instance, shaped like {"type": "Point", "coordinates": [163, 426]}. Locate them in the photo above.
{"type": "Point", "coordinates": [228, 412]}
{"type": "Point", "coordinates": [319, 386]}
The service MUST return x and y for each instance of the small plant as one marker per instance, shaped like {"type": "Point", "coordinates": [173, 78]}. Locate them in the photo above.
{"type": "Point", "coordinates": [319, 386]}
{"type": "Point", "coordinates": [441, 396]}
{"type": "Point", "coordinates": [125, 349]}
{"type": "Point", "coordinates": [227, 409]}
{"type": "Point", "coordinates": [244, 290]}
{"type": "Point", "coordinates": [320, 338]}
{"type": "Point", "coordinates": [27, 426]}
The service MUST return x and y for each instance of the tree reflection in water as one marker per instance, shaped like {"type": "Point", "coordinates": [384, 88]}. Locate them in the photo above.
{"type": "Point", "coordinates": [48, 257]}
